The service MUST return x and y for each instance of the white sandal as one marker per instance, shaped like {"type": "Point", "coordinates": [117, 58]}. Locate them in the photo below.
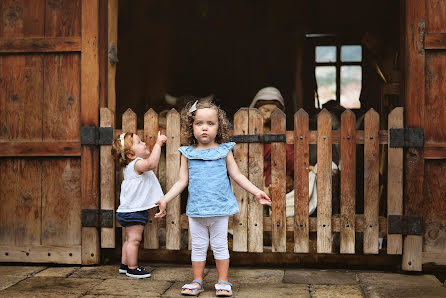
{"type": "Point", "coordinates": [191, 289]}
{"type": "Point", "coordinates": [227, 287]}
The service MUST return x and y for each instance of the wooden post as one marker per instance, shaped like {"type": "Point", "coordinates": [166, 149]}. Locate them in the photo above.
{"type": "Point", "coordinates": [240, 220]}
{"type": "Point", "coordinates": [151, 237]}
{"type": "Point", "coordinates": [112, 27]}
{"type": "Point", "coordinates": [395, 182]}
{"type": "Point", "coordinates": [371, 182]}
{"type": "Point", "coordinates": [278, 181]}
{"type": "Point", "coordinates": [324, 185]}
{"type": "Point", "coordinates": [173, 224]}
{"type": "Point", "coordinates": [90, 117]}
{"type": "Point", "coordinates": [107, 180]}
{"type": "Point", "coordinates": [255, 210]}
{"type": "Point", "coordinates": [348, 182]}
{"type": "Point", "coordinates": [301, 170]}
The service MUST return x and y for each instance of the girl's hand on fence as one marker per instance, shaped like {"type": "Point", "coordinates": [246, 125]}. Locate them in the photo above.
{"type": "Point", "coordinates": [161, 139]}
{"type": "Point", "coordinates": [263, 199]}
{"type": "Point", "coordinates": [162, 205]}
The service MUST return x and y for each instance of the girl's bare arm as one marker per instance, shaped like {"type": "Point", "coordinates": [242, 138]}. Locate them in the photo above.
{"type": "Point", "coordinates": [152, 161]}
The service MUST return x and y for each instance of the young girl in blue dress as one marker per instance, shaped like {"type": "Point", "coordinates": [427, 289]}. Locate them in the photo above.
{"type": "Point", "coordinates": [140, 190]}
{"type": "Point", "coordinates": [206, 165]}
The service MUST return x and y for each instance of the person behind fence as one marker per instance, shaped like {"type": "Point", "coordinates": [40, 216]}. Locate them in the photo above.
{"type": "Point", "coordinates": [206, 165]}
{"type": "Point", "coordinates": [140, 190]}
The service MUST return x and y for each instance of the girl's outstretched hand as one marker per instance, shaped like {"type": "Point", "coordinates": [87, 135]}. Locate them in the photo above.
{"type": "Point", "coordinates": [162, 205]}
{"type": "Point", "coordinates": [161, 139]}
{"type": "Point", "coordinates": [263, 199]}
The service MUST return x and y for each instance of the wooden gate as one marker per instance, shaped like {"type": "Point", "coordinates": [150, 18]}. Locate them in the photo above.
{"type": "Point", "coordinates": [49, 78]}
{"type": "Point", "coordinates": [250, 223]}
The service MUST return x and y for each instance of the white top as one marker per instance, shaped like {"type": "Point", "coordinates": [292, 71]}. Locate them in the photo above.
{"type": "Point", "coordinates": [138, 191]}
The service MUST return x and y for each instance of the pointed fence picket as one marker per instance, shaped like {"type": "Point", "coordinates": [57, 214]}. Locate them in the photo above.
{"type": "Point", "coordinates": [248, 226]}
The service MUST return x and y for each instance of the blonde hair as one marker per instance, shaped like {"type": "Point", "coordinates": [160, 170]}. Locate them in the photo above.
{"type": "Point", "coordinates": [119, 152]}
{"type": "Point", "coordinates": [187, 121]}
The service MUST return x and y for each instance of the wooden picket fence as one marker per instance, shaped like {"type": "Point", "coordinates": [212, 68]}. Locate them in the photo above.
{"type": "Point", "coordinates": [250, 223]}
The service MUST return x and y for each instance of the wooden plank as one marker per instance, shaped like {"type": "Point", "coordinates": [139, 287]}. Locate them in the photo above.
{"type": "Point", "coordinates": [324, 183]}
{"type": "Point", "coordinates": [40, 45]}
{"type": "Point", "coordinates": [107, 119]}
{"type": "Point", "coordinates": [151, 237]}
{"type": "Point", "coordinates": [435, 41]}
{"type": "Point", "coordinates": [103, 52]}
{"type": "Point", "coordinates": [413, 67]}
{"type": "Point", "coordinates": [255, 174]}
{"type": "Point", "coordinates": [173, 228]}
{"type": "Point", "coordinates": [69, 18]}
{"type": "Point", "coordinates": [240, 227]}
{"type": "Point", "coordinates": [278, 182]}
{"type": "Point", "coordinates": [435, 151]}
{"type": "Point", "coordinates": [8, 198]}
{"type": "Point", "coordinates": [40, 148]}
{"type": "Point", "coordinates": [89, 117]}
{"type": "Point", "coordinates": [301, 225]}
{"type": "Point", "coordinates": [413, 250]}
{"type": "Point", "coordinates": [41, 254]}
{"type": "Point", "coordinates": [61, 191]}
{"type": "Point", "coordinates": [371, 181]}
{"type": "Point", "coordinates": [348, 182]}
{"type": "Point", "coordinates": [435, 258]}
{"type": "Point", "coordinates": [395, 182]}
{"type": "Point", "coordinates": [112, 39]}
{"type": "Point", "coordinates": [27, 227]}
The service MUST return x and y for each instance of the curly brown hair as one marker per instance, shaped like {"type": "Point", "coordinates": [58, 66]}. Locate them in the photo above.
{"type": "Point", "coordinates": [120, 154]}
{"type": "Point", "coordinates": [187, 121]}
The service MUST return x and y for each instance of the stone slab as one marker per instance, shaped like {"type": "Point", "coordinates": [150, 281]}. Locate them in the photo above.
{"type": "Point", "coordinates": [272, 290]}
{"type": "Point", "coordinates": [175, 290]}
{"type": "Point", "coordinates": [320, 277]}
{"type": "Point", "coordinates": [400, 285]}
{"type": "Point", "coordinates": [101, 272]}
{"type": "Point", "coordinates": [183, 274]}
{"type": "Point", "coordinates": [333, 291]}
{"type": "Point", "coordinates": [56, 272]}
{"type": "Point", "coordinates": [51, 286]}
{"type": "Point", "coordinates": [19, 270]}
{"type": "Point", "coordinates": [130, 287]}
{"type": "Point", "coordinates": [247, 275]}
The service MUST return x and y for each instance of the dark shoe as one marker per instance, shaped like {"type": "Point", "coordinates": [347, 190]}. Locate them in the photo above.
{"type": "Point", "coordinates": [139, 272]}
{"type": "Point", "coordinates": [123, 268]}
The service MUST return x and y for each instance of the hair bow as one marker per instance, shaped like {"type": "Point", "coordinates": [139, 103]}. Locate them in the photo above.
{"type": "Point", "coordinates": [193, 108]}
{"type": "Point", "coordinates": [121, 137]}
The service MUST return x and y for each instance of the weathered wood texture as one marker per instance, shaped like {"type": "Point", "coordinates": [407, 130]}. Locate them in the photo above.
{"type": "Point", "coordinates": [324, 183]}
{"type": "Point", "coordinates": [107, 119]}
{"type": "Point", "coordinates": [348, 182]}
{"type": "Point", "coordinates": [112, 40]}
{"type": "Point", "coordinates": [278, 183]}
{"type": "Point", "coordinates": [301, 224]}
{"type": "Point", "coordinates": [240, 220]}
{"type": "Point", "coordinates": [40, 117]}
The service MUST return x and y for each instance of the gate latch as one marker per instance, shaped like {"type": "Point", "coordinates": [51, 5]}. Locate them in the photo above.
{"type": "Point", "coordinates": [93, 135]}
{"type": "Point", "coordinates": [406, 137]}
{"type": "Point", "coordinates": [405, 225]}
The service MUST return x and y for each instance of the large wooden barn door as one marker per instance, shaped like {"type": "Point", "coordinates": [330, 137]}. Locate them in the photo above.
{"type": "Point", "coordinates": [48, 90]}
{"type": "Point", "coordinates": [424, 65]}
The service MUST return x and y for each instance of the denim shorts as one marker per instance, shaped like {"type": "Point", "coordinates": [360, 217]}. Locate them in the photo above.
{"type": "Point", "coordinates": [126, 219]}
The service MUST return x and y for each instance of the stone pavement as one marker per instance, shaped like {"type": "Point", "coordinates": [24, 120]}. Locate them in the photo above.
{"type": "Point", "coordinates": [167, 280]}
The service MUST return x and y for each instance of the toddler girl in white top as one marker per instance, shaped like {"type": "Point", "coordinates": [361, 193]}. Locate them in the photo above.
{"type": "Point", "coordinates": [205, 166]}
{"type": "Point", "coordinates": [140, 190]}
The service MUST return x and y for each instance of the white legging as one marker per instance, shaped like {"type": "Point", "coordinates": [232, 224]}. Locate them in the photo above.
{"type": "Point", "coordinates": [203, 229]}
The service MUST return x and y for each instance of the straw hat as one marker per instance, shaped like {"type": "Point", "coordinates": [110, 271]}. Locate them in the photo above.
{"type": "Point", "coordinates": [268, 94]}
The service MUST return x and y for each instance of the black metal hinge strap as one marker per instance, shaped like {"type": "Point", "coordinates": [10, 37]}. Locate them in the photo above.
{"type": "Point", "coordinates": [405, 225]}
{"type": "Point", "coordinates": [258, 138]}
{"type": "Point", "coordinates": [91, 218]}
{"type": "Point", "coordinates": [92, 135]}
{"type": "Point", "coordinates": [406, 137]}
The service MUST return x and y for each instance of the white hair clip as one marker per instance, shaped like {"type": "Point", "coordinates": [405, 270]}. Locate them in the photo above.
{"type": "Point", "coordinates": [121, 137]}
{"type": "Point", "coordinates": [193, 108]}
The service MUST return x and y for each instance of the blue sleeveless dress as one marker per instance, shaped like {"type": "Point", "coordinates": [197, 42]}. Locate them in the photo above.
{"type": "Point", "coordinates": [210, 191]}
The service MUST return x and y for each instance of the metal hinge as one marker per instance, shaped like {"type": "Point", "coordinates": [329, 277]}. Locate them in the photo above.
{"type": "Point", "coordinates": [265, 138]}
{"type": "Point", "coordinates": [91, 218]}
{"type": "Point", "coordinates": [405, 225]}
{"type": "Point", "coordinates": [93, 135]}
{"type": "Point", "coordinates": [406, 137]}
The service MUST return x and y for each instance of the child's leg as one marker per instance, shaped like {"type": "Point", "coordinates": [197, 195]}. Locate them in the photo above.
{"type": "Point", "coordinates": [124, 249]}
{"type": "Point", "coordinates": [219, 243]}
{"type": "Point", "coordinates": [133, 235]}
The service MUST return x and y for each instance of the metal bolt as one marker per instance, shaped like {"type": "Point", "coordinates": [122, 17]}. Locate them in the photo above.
{"type": "Point", "coordinates": [348, 137]}
{"type": "Point", "coordinates": [323, 226]}
{"type": "Point", "coordinates": [278, 224]}
{"type": "Point", "coordinates": [240, 224]}
{"type": "Point", "coordinates": [49, 254]}
{"type": "Point", "coordinates": [325, 137]}
{"type": "Point", "coordinates": [348, 226]}
{"type": "Point", "coordinates": [92, 254]}
{"type": "Point", "coordinates": [371, 137]}
{"type": "Point", "coordinates": [70, 254]}
{"type": "Point", "coordinates": [301, 137]}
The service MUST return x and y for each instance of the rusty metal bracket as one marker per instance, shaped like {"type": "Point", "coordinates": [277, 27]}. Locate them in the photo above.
{"type": "Point", "coordinates": [405, 225]}
{"type": "Point", "coordinates": [258, 138]}
{"type": "Point", "coordinates": [406, 137]}
{"type": "Point", "coordinates": [91, 218]}
{"type": "Point", "coordinates": [92, 135]}
{"type": "Point", "coordinates": [113, 54]}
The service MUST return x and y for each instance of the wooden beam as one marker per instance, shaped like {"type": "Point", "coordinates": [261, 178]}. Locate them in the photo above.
{"type": "Point", "coordinates": [40, 148]}
{"type": "Point", "coordinates": [435, 41]}
{"type": "Point", "coordinates": [40, 45]}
